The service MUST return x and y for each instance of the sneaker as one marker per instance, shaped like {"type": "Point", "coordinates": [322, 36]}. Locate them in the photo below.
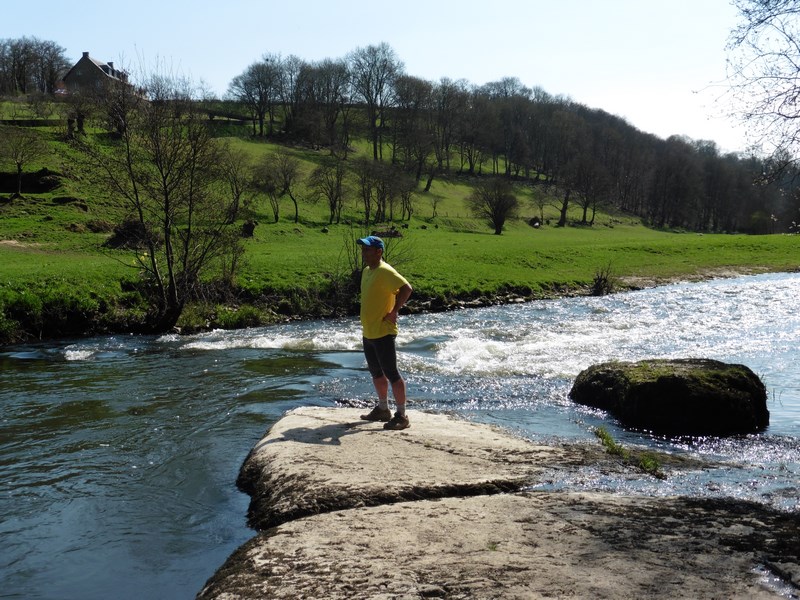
{"type": "Point", "coordinates": [398, 422]}
{"type": "Point", "coordinates": [378, 414]}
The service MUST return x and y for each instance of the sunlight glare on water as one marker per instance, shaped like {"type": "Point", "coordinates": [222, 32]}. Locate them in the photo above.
{"type": "Point", "coordinates": [330, 336]}
{"type": "Point", "coordinates": [559, 338]}
{"type": "Point", "coordinates": [119, 455]}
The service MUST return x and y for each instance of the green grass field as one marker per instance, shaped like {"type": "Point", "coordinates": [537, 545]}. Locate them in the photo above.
{"type": "Point", "coordinates": [53, 241]}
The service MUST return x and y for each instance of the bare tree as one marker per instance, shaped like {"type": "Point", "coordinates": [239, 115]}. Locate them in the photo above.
{"type": "Point", "coordinates": [29, 65]}
{"type": "Point", "coordinates": [164, 169]}
{"type": "Point", "coordinates": [41, 105]}
{"type": "Point", "coordinates": [327, 181]}
{"type": "Point", "coordinates": [406, 188]}
{"type": "Point", "coordinates": [265, 179]}
{"type": "Point", "coordinates": [539, 200]}
{"type": "Point", "coordinates": [677, 185]}
{"type": "Point", "coordinates": [289, 87]}
{"type": "Point", "coordinates": [386, 191]}
{"type": "Point", "coordinates": [78, 108]}
{"type": "Point", "coordinates": [469, 132]}
{"type": "Point", "coordinates": [288, 171]}
{"type": "Point", "coordinates": [564, 137]}
{"type": "Point", "coordinates": [584, 172]}
{"type": "Point", "coordinates": [277, 176]}
{"type": "Point", "coordinates": [374, 70]}
{"type": "Point", "coordinates": [511, 103]}
{"type": "Point", "coordinates": [590, 182]}
{"type": "Point", "coordinates": [322, 104]}
{"type": "Point", "coordinates": [49, 66]}
{"type": "Point", "coordinates": [19, 59]}
{"type": "Point", "coordinates": [366, 181]}
{"type": "Point", "coordinates": [413, 138]}
{"type": "Point", "coordinates": [258, 89]}
{"type": "Point", "coordinates": [20, 146]}
{"type": "Point", "coordinates": [494, 201]}
{"type": "Point", "coordinates": [379, 186]}
{"type": "Point", "coordinates": [450, 103]}
{"type": "Point", "coordinates": [764, 55]}
{"type": "Point", "coordinates": [235, 170]}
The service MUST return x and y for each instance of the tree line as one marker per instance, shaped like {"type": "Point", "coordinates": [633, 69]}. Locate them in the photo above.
{"type": "Point", "coordinates": [29, 65]}
{"type": "Point", "coordinates": [583, 156]}
{"type": "Point", "coordinates": [587, 157]}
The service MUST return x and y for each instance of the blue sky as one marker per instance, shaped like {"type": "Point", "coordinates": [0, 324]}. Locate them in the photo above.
{"type": "Point", "coordinates": [659, 64]}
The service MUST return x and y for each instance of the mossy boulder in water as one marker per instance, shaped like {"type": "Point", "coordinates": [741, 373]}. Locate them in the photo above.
{"type": "Point", "coordinates": [676, 397]}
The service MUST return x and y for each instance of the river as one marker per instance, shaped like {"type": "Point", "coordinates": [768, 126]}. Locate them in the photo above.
{"type": "Point", "coordinates": [118, 455]}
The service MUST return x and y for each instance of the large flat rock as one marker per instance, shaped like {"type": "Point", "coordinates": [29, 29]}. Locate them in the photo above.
{"type": "Point", "coordinates": [347, 510]}
{"type": "Point", "coordinates": [319, 459]}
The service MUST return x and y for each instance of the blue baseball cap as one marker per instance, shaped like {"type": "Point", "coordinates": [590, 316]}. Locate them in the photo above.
{"type": "Point", "coordinates": [373, 241]}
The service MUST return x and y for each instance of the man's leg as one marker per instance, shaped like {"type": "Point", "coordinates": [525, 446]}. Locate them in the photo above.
{"type": "Point", "coordinates": [399, 393]}
{"type": "Point", "coordinates": [389, 365]}
{"type": "Point", "coordinates": [382, 361]}
{"type": "Point", "coordinates": [400, 419]}
{"type": "Point", "coordinates": [382, 389]}
{"type": "Point", "coordinates": [381, 411]}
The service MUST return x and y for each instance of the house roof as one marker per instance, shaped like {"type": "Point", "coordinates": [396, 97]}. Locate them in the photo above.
{"type": "Point", "coordinates": [106, 68]}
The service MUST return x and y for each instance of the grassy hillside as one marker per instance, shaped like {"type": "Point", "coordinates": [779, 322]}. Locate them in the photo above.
{"type": "Point", "coordinates": [52, 259]}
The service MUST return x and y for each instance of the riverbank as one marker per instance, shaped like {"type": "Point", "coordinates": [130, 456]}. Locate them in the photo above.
{"type": "Point", "coordinates": [56, 284]}
{"type": "Point", "coordinates": [452, 509]}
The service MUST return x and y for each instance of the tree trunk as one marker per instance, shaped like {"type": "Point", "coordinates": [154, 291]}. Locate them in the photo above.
{"type": "Point", "coordinates": [167, 319]}
{"type": "Point", "coordinates": [429, 182]}
{"type": "Point", "coordinates": [562, 221]}
{"type": "Point", "coordinates": [296, 210]}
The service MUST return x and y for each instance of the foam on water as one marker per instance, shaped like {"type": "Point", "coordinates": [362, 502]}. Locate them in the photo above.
{"type": "Point", "coordinates": [152, 430]}
{"type": "Point", "coordinates": [752, 320]}
{"type": "Point", "coordinates": [78, 354]}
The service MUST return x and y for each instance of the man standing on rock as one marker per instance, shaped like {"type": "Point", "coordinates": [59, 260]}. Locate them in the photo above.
{"type": "Point", "coordinates": [383, 293]}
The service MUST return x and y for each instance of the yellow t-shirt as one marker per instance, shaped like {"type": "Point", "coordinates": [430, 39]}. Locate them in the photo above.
{"type": "Point", "coordinates": [379, 286]}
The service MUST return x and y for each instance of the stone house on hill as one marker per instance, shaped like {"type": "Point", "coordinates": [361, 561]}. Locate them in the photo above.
{"type": "Point", "coordinates": [91, 73]}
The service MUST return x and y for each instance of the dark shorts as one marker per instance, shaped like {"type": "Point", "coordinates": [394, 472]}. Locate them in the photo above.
{"type": "Point", "coordinates": [382, 357]}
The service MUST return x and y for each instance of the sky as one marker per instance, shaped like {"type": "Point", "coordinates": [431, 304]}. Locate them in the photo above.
{"type": "Point", "coordinates": [658, 64]}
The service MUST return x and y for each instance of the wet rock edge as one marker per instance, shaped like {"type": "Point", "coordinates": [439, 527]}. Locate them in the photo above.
{"type": "Point", "coordinates": [766, 538]}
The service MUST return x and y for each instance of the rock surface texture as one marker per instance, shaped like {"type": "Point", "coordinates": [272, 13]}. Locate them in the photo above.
{"type": "Point", "coordinates": [451, 509]}
{"type": "Point", "coordinates": [682, 397]}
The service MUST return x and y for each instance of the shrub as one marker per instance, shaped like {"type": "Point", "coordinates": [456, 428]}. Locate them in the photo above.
{"type": "Point", "coordinates": [56, 309]}
{"type": "Point", "coordinates": [196, 316]}
{"type": "Point", "coordinates": [9, 327]}
{"type": "Point", "coordinates": [243, 316]}
{"type": "Point", "coordinates": [25, 309]}
{"type": "Point", "coordinates": [604, 281]}
{"type": "Point", "coordinates": [132, 234]}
